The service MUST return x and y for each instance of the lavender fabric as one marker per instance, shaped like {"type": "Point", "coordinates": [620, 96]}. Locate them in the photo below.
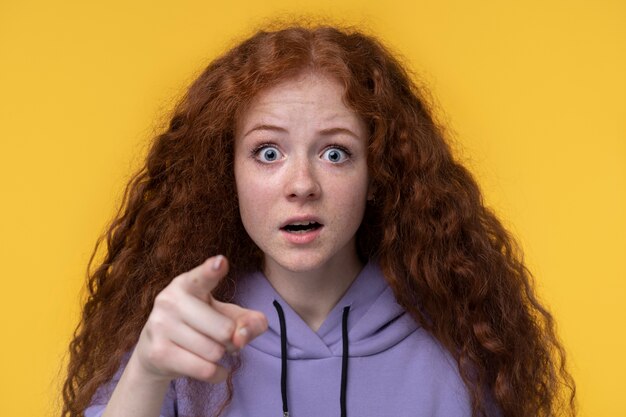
{"type": "Point", "coordinates": [395, 368]}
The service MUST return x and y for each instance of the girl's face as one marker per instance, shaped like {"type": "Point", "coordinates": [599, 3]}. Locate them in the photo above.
{"type": "Point", "coordinates": [301, 174]}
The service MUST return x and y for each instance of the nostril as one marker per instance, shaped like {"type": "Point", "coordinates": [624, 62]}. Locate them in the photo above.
{"type": "Point", "coordinates": [303, 187]}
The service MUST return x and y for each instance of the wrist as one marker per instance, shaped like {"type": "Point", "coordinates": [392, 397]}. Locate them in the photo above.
{"type": "Point", "coordinates": [139, 393]}
{"type": "Point", "coordinates": [137, 372]}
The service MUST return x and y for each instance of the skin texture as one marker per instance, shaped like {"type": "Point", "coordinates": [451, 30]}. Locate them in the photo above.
{"type": "Point", "coordinates": [302, 154]}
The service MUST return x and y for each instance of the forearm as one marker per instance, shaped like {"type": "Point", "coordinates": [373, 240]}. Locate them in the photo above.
{"type": "Point", "coordinates": [136, 395]}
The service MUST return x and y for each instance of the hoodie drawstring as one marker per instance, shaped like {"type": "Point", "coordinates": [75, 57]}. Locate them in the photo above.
{"type": "Point", "coordinates": [344, 360]}
{"type": "Point", "coordinates": [283, 359]}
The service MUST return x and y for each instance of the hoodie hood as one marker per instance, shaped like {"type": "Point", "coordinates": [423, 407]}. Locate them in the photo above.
{"type": "Point", "coordinates": [376, 322]}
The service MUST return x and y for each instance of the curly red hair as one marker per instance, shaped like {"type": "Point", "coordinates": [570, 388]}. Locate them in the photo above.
{"type": "Point", "coordinates": [450, 262]}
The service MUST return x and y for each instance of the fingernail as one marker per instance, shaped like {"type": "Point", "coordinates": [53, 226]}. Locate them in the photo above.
{"type": "Point", "coordinates": [243, 332]}
{"type": "Point", "coordinates": [217, 262]}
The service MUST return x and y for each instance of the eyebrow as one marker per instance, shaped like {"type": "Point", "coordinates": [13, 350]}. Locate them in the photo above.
{"type": "Point", "coordinates": [324, 132]}
{"type": "Point", "coordinates": [270, 128]}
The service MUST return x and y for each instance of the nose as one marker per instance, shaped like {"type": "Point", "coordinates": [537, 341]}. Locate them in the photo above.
{"type": "Point", "coordinates": [301, 182]}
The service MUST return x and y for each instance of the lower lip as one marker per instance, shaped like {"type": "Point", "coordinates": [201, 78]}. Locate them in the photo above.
{"type": "Point", "coordinates": [302, 238]}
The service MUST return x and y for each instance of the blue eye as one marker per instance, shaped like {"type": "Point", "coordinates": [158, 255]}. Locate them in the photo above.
{"type": "Point", "coordinates": [268, 154]}
{"type": "Point", "coordinates": [335, 155]}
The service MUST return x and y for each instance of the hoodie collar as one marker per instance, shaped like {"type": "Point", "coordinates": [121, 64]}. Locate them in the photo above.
{"type": "Point", "coordinates": [376, 321]}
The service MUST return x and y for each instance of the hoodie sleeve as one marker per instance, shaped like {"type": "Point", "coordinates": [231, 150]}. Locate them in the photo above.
{"type": "Point", "coordinates": [104, 392]}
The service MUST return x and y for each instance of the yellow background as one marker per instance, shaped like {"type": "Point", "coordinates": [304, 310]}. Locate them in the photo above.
{"type": "Point", "coordinates": [534, 94]}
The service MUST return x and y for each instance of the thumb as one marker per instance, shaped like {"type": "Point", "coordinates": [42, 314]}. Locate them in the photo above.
{"type": "Point", "coordinates": [248, 323]}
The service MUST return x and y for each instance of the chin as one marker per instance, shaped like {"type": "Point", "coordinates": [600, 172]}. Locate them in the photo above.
{"type": "Point", "coordinates": [298, 263]}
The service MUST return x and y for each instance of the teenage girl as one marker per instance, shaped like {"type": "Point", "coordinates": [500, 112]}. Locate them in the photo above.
{"type": "Point", "coordinates": [301, 241]}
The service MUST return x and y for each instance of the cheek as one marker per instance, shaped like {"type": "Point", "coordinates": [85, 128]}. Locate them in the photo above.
{"type": "Point", "coordinates": [351, 196]}
{"type": "Point", "coordinates": [244, 188]}
{"type": "Point", "coordinates": [246, 196]}
{"type": "Point", "coordinates": [255, 200]}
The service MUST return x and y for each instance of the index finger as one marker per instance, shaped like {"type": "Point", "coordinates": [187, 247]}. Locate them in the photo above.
{"type": "Point", "coordinates": [201, 280]}
{"type": "Point", "coordinates": [249, 323]}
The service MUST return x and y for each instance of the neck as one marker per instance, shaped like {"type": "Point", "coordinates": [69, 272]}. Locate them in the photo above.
{"type": "Point", "coordinates": [313, 294]}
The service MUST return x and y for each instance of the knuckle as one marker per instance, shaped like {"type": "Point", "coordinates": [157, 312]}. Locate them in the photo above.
{"type": "Point", "coordinates": [226, 330]}
{"type": "Point", "coordinates": [262, 320]}
{"type": "Point", "coordinates": [181, 278]}
{"type": "Point", "coordinates": [158, 353]}
{"type": "Point", "coordinates": [207, 371]}
{"type": "Point", "coordinates": [165, 301]}
{"type": "Point", "coordinates": [158, 324]}
{"type": "Point", "coordinates": [156, 330]}
{"type": "Point", "coordinates": [216, 352]}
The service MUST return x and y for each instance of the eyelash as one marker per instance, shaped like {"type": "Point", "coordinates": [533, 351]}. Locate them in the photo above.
{"type": "Point", "coordinates": [341, 148]}
{"type": "Point", "coordinates": [257, 150]}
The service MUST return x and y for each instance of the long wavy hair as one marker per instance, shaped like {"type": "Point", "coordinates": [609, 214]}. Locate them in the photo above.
{"type": "Point", "coordinates": [450, 262]}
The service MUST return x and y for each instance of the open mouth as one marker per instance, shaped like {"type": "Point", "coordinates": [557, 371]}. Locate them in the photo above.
{"type": "Point", "coordinates": [301, 227]}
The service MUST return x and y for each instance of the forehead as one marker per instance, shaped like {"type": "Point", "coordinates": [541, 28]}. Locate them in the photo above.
{"type": "Point", "coordinates": [308, 93]}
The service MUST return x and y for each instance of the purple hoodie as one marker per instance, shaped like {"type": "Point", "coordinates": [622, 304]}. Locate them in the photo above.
{"type": "Point", "coordinates": [368, 359]}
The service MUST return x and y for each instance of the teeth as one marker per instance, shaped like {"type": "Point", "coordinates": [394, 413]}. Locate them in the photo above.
{"type": "Point", "coordinates": [301, 223]}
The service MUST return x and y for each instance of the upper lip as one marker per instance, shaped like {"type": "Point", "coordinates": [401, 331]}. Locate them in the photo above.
{"type": "Point", "coordinates": [301, 219]}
